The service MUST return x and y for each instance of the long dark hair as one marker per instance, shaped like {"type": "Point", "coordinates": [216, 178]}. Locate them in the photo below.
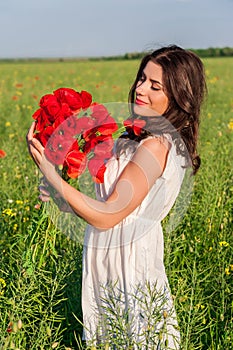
{"type": "Point", "coordinates": [185, 86]}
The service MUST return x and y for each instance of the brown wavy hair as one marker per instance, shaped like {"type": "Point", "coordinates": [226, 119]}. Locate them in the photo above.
{"type": "Point", "coordinates": [185, 86]}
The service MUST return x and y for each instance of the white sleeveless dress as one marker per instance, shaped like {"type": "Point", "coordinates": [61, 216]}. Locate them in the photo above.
{"type": "Point", "coordinates": [125, 291]}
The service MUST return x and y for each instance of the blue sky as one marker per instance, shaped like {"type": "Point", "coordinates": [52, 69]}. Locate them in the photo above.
{"type": "Point", "coordinates": [74, 28]}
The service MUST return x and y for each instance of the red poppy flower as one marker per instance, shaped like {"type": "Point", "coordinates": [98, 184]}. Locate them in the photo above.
{"type": "Point", "coordinates": [135, 124]}
{"type": "Point", "coordinates": [57, 148]}
{"type": "Point", "coordinates": [97, 169]}
{"type": "Point", "coordinates": [67, 127]}
{"type": "Point", "coordinates": [69, 96]}
{"type": "Point", "coordinates": [108, 127]}
{"type": "Point", "coordinates": [86, 99]}
{"type": "Point", "coordinates": [44, 136]}
{"type": "Point", "coordinates": [42, 120]}
{"type": "Point", "coordinates": [51, 106]}
{"type": "Point", "coordinates": [104, 149]}
{"type": "Point", "coordinates": [37, 114]}
{"type": "Point", "coordinates": [90, 141]}
{"type": "Point", "coordinates": [66, 110]}
{"type": "Point", "coordinates": [76, 163]}
{"type": "Point", "coordinates": [99, 112]}
{"type": "Point", "coordinates": [2, 153]}
{"type": "Point", "coordinates": [85, 126]}
{"type": "Point", "coordinates": [59, 120]}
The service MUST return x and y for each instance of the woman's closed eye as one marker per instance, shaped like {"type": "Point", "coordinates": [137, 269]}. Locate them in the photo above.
{"type": "Point", "coordinates": [155, 88]}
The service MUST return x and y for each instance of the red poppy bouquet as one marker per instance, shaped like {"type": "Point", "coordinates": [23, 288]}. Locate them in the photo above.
{"type": "Point", "coordinates": [76, 133]}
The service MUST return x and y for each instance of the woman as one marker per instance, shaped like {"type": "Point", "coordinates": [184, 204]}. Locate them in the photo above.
{"type": "Point", "coordinates": [125, 293]}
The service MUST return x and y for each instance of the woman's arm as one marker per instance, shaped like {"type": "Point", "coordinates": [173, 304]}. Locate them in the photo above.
{"type": "Point", "coordinates": [131, 188]}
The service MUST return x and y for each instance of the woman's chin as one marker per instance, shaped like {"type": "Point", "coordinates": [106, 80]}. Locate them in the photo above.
{"type": "Point", "coordinates": [144, 111]}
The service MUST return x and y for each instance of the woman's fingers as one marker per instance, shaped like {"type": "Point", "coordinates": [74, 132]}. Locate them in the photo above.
{"type": "Point", "coordinates": [29, 136]}
{"type": "Point", "coordinates": [35, 148]}
{"type": "Point", "coordinates": [30, 133]}
{"type": "Point", "coordinates": [44, 194]}
{"type": "Point", "coordinates": [43, 190]}
{"type": "Point", "coordinates": [36, 144]}
{"type": "Point", "coordinates": [33, 144]}
{"type": "Point", "coordinates": [35, 154]}
{"type": "Point", "coordinates": [44, 198]}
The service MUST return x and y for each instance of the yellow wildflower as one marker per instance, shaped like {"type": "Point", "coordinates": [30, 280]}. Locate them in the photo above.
{"type": "Point", "coordinates": [223, 244]}
{"type": "Point", "coordinates": [230, 124]}
{"type": "Point", "coordinates": [2, 285]}
{"type": "Point", "coordinates": [18, 201]}
{"type": "Point", "coordinates": [8, 212]}
{"type": "Point", "coordinates": [2, 281]}
{"type": "Point", "coordinates": [227, 271]}
{"type": "Point", "coordinates": [7, 124]}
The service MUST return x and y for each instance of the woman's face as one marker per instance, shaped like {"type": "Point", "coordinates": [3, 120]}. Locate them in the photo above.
{"type": "Point", "coordinates": [150, 98]}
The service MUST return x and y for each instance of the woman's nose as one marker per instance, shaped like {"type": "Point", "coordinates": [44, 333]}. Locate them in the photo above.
{"type": "Point", "coordinates": [141, 87]}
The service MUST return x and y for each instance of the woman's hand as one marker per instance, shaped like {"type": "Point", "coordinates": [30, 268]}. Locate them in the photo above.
{"type": "Point", "coordinates": [36, 151]}
{"type": "Point", "coordinates": [47, 192]}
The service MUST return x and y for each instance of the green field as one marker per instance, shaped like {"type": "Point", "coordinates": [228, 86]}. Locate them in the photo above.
{"type": "Point", "coordinates": [40, 268]}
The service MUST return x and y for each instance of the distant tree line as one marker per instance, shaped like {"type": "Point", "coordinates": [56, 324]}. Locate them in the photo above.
{"type": "Point", "coordinates": [214, 52]}
{"type": "Point", "coordinates": [209, 52]}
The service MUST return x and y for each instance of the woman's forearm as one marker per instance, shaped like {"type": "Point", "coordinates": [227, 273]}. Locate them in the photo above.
{"type": "Point", "coordinates": [102, 215]}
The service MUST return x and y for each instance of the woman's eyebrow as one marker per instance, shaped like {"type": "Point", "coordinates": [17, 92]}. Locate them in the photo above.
{"type": "Point", "coordinates": [156, 82]}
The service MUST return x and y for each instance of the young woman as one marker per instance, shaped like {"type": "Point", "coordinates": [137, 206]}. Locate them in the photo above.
{"type": "Point", "coordinates": [125, 292]}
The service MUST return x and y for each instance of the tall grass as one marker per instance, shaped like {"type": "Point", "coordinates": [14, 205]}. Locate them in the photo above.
{"type": "Point", "coordinates": [40, 267]}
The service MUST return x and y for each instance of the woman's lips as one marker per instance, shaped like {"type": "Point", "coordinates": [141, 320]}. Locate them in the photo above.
{"type": "Point", "coordinates": [139, 102]}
